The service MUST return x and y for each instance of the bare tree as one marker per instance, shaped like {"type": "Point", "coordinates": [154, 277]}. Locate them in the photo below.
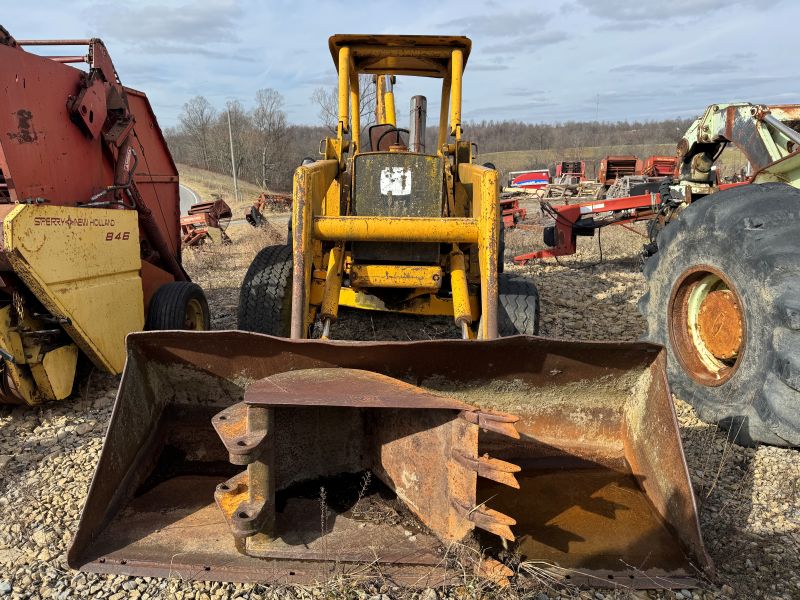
{"type": "Point", "coordinates": [269, 121]}
{"type": "Point", "coordinates": [327, 99]}
{"type": "Point", "coordinates": [196, 121]}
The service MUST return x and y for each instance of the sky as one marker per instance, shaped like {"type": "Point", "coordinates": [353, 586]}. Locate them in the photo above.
{"type": "Point", "coordinates": [535, 61]}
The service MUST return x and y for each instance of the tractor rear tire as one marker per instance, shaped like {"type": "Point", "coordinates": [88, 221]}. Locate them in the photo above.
{"type": "Point", "coordinates": [265, 298]}
{"type": "Point", "coordinates": [724, 299]}
{"type": "Point", "coordinates": [518, 306]}
{"type": "Point", "coordinates": [179, 305]}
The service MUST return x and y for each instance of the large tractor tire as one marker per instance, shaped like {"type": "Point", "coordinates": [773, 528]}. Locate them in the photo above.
{"type": "Point", "coordinates": [724, 299]}
{"type": "Point", "coordinates": [179, 305]}
{"type": "Point", "coordinates": [518, 306]}
{"type": "Point", "coordinates": [265, 299]}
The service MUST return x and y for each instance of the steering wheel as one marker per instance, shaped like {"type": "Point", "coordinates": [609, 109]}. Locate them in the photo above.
{"type": "Point", "coordinates": [396, 130]}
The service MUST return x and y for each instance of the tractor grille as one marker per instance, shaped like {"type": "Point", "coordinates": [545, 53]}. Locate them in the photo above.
{"type": "Point", "coordinates": [397, 184]}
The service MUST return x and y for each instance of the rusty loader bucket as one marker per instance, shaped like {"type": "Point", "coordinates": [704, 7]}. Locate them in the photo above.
{"type": "Point", "coordinates": [241, 457]}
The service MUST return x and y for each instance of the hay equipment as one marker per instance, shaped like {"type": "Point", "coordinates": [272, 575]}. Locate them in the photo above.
{"type": "Point", "coordinates": [89, 208]}
{"type": "Point", "coordinates": [267, 201]}
{"type": "Point", "coordinates": [202, 217]}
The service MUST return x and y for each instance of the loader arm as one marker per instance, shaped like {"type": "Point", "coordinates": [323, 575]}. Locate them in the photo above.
{"type": "Point", "coordinates": [768, 136]}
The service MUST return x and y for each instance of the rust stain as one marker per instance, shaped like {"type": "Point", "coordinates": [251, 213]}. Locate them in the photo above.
{"type": "Point", "coordinates": [26, 133]}
{"type": "Point", "coordinates": [720, 324]}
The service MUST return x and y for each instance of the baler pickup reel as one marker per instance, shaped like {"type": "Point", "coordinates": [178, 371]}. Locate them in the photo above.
{"type": "Point", "coordinates": [237, 456]}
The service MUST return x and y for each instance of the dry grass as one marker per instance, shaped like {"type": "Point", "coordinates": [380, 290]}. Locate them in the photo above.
{"type": "Point", "coordinates": [205, 183]}
{"type": "Point", "coordinates": [219, 269]}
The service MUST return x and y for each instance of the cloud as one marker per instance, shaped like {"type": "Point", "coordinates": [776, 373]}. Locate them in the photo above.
{"type": "Point", "coordinates": [196, 24]}
{"type": "Point", "coordinates": [499, 24]}
{"type": "Point", "coordinates": [528, 42]}
{"type": "Point", "coordinates": [651, 12]}
{"type": "Point", "coordinates": [510, 108]}
{"type": "Point", "coordinates": [697, 68]}
{"type": "Point", "coordinates": [487, 66]}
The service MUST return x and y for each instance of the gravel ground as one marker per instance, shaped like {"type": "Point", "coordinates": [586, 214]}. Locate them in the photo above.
{"type": "Point", "coordinates": [749, 498]}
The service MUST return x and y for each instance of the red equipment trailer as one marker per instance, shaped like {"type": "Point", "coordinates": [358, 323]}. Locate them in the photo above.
{"type": "Point", "coordinates": [510, 210]}
{"type": "Point", "coordinates": [572, 220]}
{"type": "Point", "coordinates": [81, 139]}
{"type": "Point", "coordinates": [659, 166]}
{"type": "Point", "coordinates": [570, 171]}
{"type": "Point", "coordinates": [613, 167]}
{"type": "Point", "coordinates": [89, 204]}
{"type": "Point", "coordinates": [203, 216]}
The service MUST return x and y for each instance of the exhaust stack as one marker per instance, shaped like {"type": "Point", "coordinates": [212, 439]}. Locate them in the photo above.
{"type": "Point", "coordinates": [419, 116]}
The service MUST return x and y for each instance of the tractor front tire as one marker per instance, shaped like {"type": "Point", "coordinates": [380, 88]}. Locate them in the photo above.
{"type": "Point", "coordinates": [179, 305]}
{"type": "Point", "coordinates": [518, 306]}
{"type": "Point", "coordinates": [265, 298]}
{"type": "Point", "coordinates": [724, 299]}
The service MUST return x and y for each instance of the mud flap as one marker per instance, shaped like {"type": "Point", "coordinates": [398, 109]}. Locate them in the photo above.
{"type": "Point", "coordinates": [604, 494]}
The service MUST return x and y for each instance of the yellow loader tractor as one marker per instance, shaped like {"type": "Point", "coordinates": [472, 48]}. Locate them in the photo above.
{"type": "Point", "coordinates": [382, 224]}
{"type": "Point", "coordinates": [239, 456]}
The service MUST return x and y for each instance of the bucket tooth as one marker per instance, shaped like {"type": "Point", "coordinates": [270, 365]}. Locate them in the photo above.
{"type": "Point", "coordinates": [490, 520]}
{"type": "Point", "coordinates": [490, 468]}
{"type": "Point", "coordinates": [243, 442]}
{"type": "Point", "coordinates": [502, 423]}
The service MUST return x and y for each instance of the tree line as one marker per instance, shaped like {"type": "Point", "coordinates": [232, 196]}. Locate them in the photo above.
{"type": "Point", "coordinates": [267, 148]}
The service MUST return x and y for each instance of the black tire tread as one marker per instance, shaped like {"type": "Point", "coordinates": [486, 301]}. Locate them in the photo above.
{"type": "Point", "coordinates": [168, 306]}
{"type": "Point", "coordinates": [518, 306]}
{"type": "Point", "coordinates": [265, 298]}
{"type": "Point", "coordinates": [754, 230]}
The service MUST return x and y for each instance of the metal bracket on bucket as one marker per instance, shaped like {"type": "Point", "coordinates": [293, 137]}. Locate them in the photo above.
{"type": "Point", "coordinates": [422, 445]}
{"type": "Point", "coordinates": [245, 431]}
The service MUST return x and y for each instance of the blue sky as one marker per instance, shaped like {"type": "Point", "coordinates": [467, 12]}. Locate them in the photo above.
{"type": "Point", "coordinates": [544, 61]}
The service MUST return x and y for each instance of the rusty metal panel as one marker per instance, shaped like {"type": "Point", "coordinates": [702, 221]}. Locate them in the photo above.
{"type": "Point", "coordinates": [44, 153]}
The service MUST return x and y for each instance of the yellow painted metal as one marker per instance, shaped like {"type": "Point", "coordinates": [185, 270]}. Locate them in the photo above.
{"type": "Point", "coordinates": [444, 109]}
{"type": "Point", "coordinates": [333, 283]}
{"type": "Point", "coordinates": [396, 229]}
{"type": "Point", "coordinates": [344, 92]}
{"type": "Point", "coordinates": [311, 185]}
{"type": "Point", "coordinates": [17, 372]}
{"type": "Point", "coordinates": [457, 69]}
{"type": "Point", "coordinates": [389, 116]}
{"type": "Point", "coordinates": [193, 319]}
{"type": "Point", "coordinates": [355, 110]}
{"type": "Point", "coordinates": [462, 313]}
{"type": "Point", "coordinates": [396, 276]}
{"type": "Point", "coordinates": [384, 101]}
{"type": "Point", "coordinates": [55, 374]}
{"type": "Point", "coordinates": [483, 182]}
{"type": "Point", "coordinates": [417, 55]}
{"type": "Point", "coordinates": [420, 302]}
{"type": "Point", "coordinates": [83, 266]}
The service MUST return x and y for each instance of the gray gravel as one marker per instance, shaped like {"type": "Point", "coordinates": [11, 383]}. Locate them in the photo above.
{"type": "Point", "coordinates": [749, 498]}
